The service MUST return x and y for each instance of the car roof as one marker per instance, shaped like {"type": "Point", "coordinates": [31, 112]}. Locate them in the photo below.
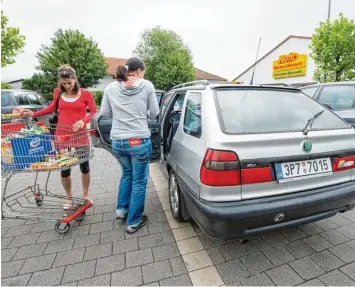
{"type": "Point", "coordinates": [233, 86]}
{"type": "Point", "coordinates": [330, 84]}
{"type": "Point", "coordinates": [268, 87]}
{"type": "Point", "coordinates": [17, 91]}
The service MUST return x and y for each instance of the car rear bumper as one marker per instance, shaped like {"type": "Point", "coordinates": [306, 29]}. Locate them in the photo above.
{"type": "Point", "coordinates": [248, 217]}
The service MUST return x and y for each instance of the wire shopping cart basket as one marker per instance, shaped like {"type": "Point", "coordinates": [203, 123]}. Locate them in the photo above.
{"type": "Point", "coordinates": [29, 146]}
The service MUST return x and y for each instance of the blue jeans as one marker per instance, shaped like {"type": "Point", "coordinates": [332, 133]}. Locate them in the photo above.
{"type": "Point", "coordinates": [133, 185]}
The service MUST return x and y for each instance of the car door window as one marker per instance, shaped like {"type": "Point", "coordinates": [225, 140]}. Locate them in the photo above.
{"type": "Point", "coordinates": [42, 100]}
{"type": "Point", "coordinates": [33, 99]}
{"type": "Point", "coordinates": [192, 118]}
{"type": "Point", "coordinates": [311, 92]}
{"type": "Point", "coordinates": [338, 97]}
{"type": "Point", "coordinates": [179, 102]}
{"type": "Point", "coordinates": [7, 99]}
{"type": "Point", "coordinates": [23, 99]}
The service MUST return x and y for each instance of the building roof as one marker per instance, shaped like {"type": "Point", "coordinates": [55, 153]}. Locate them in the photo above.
{"type": "Point", "coordinates": [272, 50]}
{"type": "Point", "coordinates": [203, 75]}
{"type": "Point", "coordinates": [15, 81]}
{"type": "Point", "coordinates": [113, 63]}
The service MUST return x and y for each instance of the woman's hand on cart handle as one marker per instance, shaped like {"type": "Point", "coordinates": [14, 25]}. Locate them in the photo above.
{"type": "Point", "coordinates": [26, 112]}
{"type": "Point", "coordinates": [78, 125]}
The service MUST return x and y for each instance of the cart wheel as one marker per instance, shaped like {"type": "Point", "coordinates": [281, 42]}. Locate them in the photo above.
{"type": "Point", "coordinates": [39, 201]}
{"type": "Point", "coordinates": [61, 228]}
{"type": "Point", "coordinates": [80, 217]}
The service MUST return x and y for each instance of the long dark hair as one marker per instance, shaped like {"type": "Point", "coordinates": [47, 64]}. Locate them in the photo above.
{"type": "Point", "coordinates": [67, 72]}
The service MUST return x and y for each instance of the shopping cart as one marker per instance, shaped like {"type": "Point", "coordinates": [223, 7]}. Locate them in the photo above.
{"type": "Point", "coordinates": [28, 146]}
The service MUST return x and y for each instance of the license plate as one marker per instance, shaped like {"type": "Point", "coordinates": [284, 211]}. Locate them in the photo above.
{"type": "Point", "coordinates": [298, 170]}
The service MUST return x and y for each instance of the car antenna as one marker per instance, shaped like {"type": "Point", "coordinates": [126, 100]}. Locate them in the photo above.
{"type": "Point", "coordinates": [256, 59]}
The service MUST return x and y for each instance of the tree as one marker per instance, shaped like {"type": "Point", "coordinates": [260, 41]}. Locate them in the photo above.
{"type": "Point", "coordinates": [168, 60]}
{"type": "Point", "coordinates": [40, 83]}
{"type": "Point", "coordinates": [333, 50]}
{"type": "Point", "coordinates": [5, 85]}
{"type": "Point", "coordinates": [72, 47]}
{"type": "Point", "coordinates": [12, 42]}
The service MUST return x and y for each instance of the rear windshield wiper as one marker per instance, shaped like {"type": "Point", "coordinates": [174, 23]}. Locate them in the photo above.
{"type": "Point", "coordinates": [309, 124]}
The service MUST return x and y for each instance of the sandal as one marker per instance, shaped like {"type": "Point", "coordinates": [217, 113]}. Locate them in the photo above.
{"type": "Point", "coordinates": [87, 198]}
{"type": "Point", "coordinates": [67, 204]}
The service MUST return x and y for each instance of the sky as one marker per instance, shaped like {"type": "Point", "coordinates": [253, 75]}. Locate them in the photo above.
{"type": "Point", "coordinates": [222, 34]}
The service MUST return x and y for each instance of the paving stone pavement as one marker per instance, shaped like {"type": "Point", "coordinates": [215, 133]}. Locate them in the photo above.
{"type": "Point", "coordinates": [97, 251]}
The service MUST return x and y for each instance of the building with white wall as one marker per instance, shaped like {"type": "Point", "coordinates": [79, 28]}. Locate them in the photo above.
{"type": "Point", "coordinates": [289, 62]}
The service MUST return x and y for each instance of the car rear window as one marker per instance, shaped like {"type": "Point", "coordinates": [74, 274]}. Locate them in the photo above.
{"type": "Point", "coordinates": [7, 99]}
{"type": "Point", "coordinates": [247, 111]}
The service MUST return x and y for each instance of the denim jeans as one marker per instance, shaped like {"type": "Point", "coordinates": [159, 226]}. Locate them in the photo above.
{"type": "Point", "coordinates": [133, 185]}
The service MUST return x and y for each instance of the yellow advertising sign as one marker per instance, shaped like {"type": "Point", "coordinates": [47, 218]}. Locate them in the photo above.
{"type": "Point", "coordinates": [288, 66]}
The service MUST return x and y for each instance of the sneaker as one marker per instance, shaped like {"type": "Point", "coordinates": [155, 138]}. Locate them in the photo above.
{"type": "Point", "coordinates": [67, 205]}
{"type": "Point", "coordinates": [133, 229]}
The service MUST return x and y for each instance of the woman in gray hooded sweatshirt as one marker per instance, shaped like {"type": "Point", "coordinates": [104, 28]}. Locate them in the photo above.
{"type": "Point", "coordinates": [128, 101]}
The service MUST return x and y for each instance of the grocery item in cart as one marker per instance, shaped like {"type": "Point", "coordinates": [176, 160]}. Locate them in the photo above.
{"type": "Point", "coordinates": [21, 147]}
{"type": "Point", "coordinates": [6, 152]}
{"type": "Point", "coordinates": [55, 159]}
{"type": "Point", "coordinates": [37, 130]}
{"type": "Point", "coordinates": [69, 161]}
{"type": "Point", "coordinates": [30, 149]}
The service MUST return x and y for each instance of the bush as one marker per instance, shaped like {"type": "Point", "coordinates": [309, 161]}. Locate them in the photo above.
{"type": "Point", "coordinates": [40, 83]}
{"type": "Point", "coordinates": [5, 85]}
{"type": "Point", "coordinates": [98, 98]}
{"type": "Point", "coordinates": [48, 96]}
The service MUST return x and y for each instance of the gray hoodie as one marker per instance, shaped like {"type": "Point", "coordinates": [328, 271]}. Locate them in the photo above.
{"type": "Point", "coordinates": [128, 105]}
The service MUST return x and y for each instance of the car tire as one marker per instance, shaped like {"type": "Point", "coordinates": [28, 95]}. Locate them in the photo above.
{"type": "Point", "coordinates": [175, 197]}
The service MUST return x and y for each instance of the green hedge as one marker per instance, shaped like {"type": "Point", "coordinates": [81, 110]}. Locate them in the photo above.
{"type": "Point", "coordinates": [48, 96]}
{"type": "Point", "coordinates": [98, 98]}
{"type": "Point", "coordinates": [6, 85]}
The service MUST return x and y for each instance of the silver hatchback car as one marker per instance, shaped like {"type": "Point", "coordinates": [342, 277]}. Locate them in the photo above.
{"type": "Point", "coordinates": [243, 160]}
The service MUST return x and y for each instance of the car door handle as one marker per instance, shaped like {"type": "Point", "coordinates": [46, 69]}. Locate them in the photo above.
{"type": "Point", "coordinates": [155, 130]}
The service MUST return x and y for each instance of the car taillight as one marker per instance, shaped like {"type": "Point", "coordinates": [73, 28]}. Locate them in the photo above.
{"type": "Point", "coordinates": [256, 175]}
{"type": "Point", "coordinates": [220, 168]}
{"type": "Point", "coordinates": [344, 163]}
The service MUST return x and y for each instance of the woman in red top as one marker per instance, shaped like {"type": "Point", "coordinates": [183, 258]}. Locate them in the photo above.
{"type": "Point", "coordinates": [72, 118]}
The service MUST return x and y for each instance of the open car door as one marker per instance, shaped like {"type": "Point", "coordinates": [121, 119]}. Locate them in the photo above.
{"type": "Point", "coordinates": [101, 139]}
